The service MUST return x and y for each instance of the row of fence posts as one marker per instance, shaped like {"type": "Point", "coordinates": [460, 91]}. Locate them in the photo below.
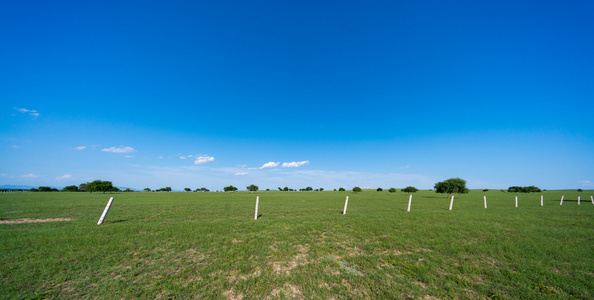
{"type": "Point", "coordinates": [346, 202]}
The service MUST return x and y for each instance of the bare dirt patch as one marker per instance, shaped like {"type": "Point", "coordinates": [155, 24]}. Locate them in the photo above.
{"type": "Point", "coordinates": [20, 221]}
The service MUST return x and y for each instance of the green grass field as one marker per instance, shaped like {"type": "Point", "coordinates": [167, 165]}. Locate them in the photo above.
{"type": "Point", "coordinates": [208, 246]}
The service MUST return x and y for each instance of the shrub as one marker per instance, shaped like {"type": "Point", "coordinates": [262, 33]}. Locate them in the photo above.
{"type": "Point", "coordinates": [357, 189]}
{"type": "Point", "coordinates": [410, 189]}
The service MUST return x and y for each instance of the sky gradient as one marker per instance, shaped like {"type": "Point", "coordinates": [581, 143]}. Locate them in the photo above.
{"type": "Point", "coordinates": [297, 93]}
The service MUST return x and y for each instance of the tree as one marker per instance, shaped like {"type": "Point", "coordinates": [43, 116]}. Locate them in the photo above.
{"type": "Point", "coordinates": [230, 188]}
{"type": "Point", "coordinates": [187, 189]}
{"type": "Point", "coordinates": [580, 190]}
{"type": "Point", "coordinates": [410, 189]}
{"type": "Point", "coordinates": [45, 189]}
{"type": "Point", "coordinates": [252, 188]}
{"type": "Point", "coordinates": [523, 189]}
{"type": "Point", "coordinates": [105, 186]}
{"type": "Point", "coordinates": [321, 189]}
{"type": "Point", "coordinates": [379, 189]}
{"type": "Point", "coordinates": [70, 188]}
{"type": "Point", "coordinates": [128, 190]}
{"type": "Point", "coordinates": [165, 189]}
{"type": "Point", "coordinates": [82, 187]}
{"type": "Point", "coordinates": [341, 189]}
{"type": "Point", "coordinates": [451, 186]}
{"type": "Point", "coordinates": [100, 186]}
{"type": "Point", "coordinates": [357, 189]}
{"type": "Point", "coordinates": [147, 189]}
{"type": "Point", "coordinates": [392, 190]}
{"type": "Point", "coordinates": [308, 189]}
{"type": "Point", "coordinates": [286, 189]}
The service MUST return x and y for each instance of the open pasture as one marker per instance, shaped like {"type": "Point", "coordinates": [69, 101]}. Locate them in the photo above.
{"type": "Point", "coordinates": [208, 246]}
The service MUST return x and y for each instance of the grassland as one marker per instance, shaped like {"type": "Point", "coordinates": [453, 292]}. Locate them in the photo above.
{"type": "Point", "coordinates": [208, 246]}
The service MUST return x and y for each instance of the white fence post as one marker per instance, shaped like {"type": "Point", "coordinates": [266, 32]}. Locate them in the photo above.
{"type": "Point", "coordinates": [579, 199]}
{"type": "Point", "coordinates": [452, 202]}
{"type": "Point", "coordinates": [592, 197]}
{"type": "Point", "coordinates": [346, 202]}
{"type": "Point", "coordinates": [485, 201]}
{"type": "Point", "coordinates": [541, 200]}
{"type": "Point", "coordinates": [257, 200]}
{"type": "Point", "coordinates": [409, 202]}
{"type": "Point", "coordinates": [516, 201]}
{"type": "Point", "coordinates": [561, 200]}
{"type": "Point", "coordinates": [105, 211]}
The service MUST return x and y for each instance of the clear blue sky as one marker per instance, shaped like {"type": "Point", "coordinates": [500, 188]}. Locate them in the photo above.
{"type": "Point", "coordinates": [297, 93]}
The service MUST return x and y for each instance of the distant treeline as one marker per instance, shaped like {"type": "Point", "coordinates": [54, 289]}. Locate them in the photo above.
{"type": "Point", "coordinates": [524, 189]}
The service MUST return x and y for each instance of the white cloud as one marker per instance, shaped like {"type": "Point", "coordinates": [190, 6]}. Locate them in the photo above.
{"type": "Point", "coordinates": [129, 156]}
{"type": "Point", "coordinates": [160, 157]}
{"type": "Point", "coordinates": [80, 148]}
{"type": "Point", "coordinates": [65, 176]}
{"type": "Point", "coordinates": [269, 165]}
{"type": "Point", "coordinates": [203, 159]}
{"type": "Point", "coordinates": [33, 113]}
{"type": "Point", "coordinates": [119, 150]}
{"type": "Point", "coordinates": [182, 157]}
{"type": "Point", "coordinates": [241, 173]}
{"type": "Point", "coordinates": [405, 167]}
{"type": "Point", "coordinates": [14, 147]}
{"type": "Point", "coordinates": [295, 164]}
{"type": "Point", "coordinates": [30, 175]}
{"type": "Point", "coordinates": [585, 182]}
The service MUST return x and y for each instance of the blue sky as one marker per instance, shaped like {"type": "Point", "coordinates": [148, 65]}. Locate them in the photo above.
{"type": "Point", "coordinates": [297, 93]}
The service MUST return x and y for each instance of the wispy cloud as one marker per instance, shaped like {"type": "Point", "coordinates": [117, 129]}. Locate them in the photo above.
{"type": "Point", "coordinates": [130, 156]}
{"type": "Point", "coordinates": [203, 159]}
{"type": "Point", "coordinates": [121, 149]}
{"type": "Point", "coordinates": [269, 165]}
{"type": "Point", "coordinates": [241, 173]}
{"type": "Point", "coordinates": [65, 176]}
{"type": "Point", "coordinates": [30, 175]}
{"type": "Point", "coordinates": [14, 147]}
{"type": "Point", "coordinates": [80, 148]}
{"type": "Point", "coordinates": [182, 157]}
{"type": "Point", "coordinates": [295, 164]}
{"type": "Point", "coordinates": [405, 167]}
{"type": "Point", "coordinates": [31, 112]}
{"type": "Point", "coordinates": [585, 183]}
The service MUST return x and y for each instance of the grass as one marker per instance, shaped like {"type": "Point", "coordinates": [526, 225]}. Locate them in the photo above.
{"type": "Point", "coordinates": [208, 245]}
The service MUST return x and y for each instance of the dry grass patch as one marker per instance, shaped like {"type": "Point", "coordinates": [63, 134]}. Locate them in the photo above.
{"type": "Point", "coordinates": [232, 295]}
{"type": "Point", "coordinates": [288, 290]}
{"type": "Point", "coordinates": [299, 260]}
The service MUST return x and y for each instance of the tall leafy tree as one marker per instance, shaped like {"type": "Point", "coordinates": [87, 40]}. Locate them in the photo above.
{"type": "Point", "coordinates": [70, 188]}
{"type": "Point", "coordinates": [100, 186]}
{"type": "Point", "coordinates": [252, 188]}
{"type": "Point", "coordinates": [230, 188]}
{"type": "Point", "coordinates": [451, 186]}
